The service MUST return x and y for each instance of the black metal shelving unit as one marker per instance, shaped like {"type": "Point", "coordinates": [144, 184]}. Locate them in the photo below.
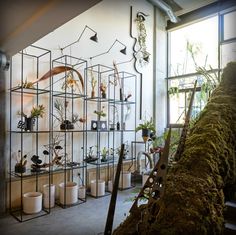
{"type": "Point", "coordinates": [31, 62]}
{"type": "Point", "coordinates": [114, 132]}
{"type": "Point", "coordinates": [68, 90]}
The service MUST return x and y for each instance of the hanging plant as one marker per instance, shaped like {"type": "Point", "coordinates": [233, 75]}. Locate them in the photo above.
{"type": "Point", "coordinates": [142, 35]}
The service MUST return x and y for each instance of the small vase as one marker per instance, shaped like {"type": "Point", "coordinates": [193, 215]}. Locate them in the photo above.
{"type": "Point", "coordinates": [104, 95]}
{"type": "Point", "coordinates": [29, 124]}
{"type": "Point", "coordinates": [145, 134]}
{"type": "Point", "coordinates": [92, 94]}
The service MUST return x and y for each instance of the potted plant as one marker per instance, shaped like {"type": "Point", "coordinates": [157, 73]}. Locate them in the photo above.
{"type": "Point", "coordinates": [103, 88]}
{"type": "Point", "coordinates": [61, 108]}
{"type": "Point", "coordinates": [147, 127]}
{"type": "Point", "coordinates": [104, 153]}
{"type": "Point", "coordinates": [98, 124]}
{"type": "Point", "coordinates": [36, 112]}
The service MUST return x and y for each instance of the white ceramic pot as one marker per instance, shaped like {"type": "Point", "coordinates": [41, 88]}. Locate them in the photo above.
{"type": "Point", "coordinates": [68, 193]}
{"type": "Point", "coordinates": [49, 200]}
{"type": "Point", "coordinates": [110, 186]}
{"type": "Point", "coordinates": [32, 202]}
{"type": "Point", "coordinates": [82, 192]}
{"type": "Point", "coordinates": [97, 188]}
{"type": "Point", "coordinates": [125, 180]}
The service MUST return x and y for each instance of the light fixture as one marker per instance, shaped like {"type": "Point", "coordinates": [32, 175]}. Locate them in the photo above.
{"type": "Point", "coordinates": [123, 51]}
{"type": "Point", "coordinates": [166, 8]}
{"type": "Point", "coordinates": [93, 38]}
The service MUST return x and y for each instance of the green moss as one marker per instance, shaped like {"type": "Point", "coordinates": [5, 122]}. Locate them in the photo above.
{"type": "Point", "coordinates": [193, 202]}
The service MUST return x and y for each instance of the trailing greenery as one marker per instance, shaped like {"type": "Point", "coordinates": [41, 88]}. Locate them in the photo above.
{"type": "Point", "coordinates": [197, 185]}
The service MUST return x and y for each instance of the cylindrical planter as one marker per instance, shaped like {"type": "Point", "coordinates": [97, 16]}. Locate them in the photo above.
{"type": "Point", "coordinates": [29, 123]}
{"type": "Point", "coordinates": [110, 186]}
{"type": "Point", "coordinates": [82, 192]}
{"type": "Point", "coordinates": [97, 188]}
{"type": "Point", "coordinates": [32, 202]}
{"type": "Point", "coordinates": [68, 193]}
{"type": "Point", "coordinates": [144, 178]}
{"type": "Point", "coordinates": [49, 200]}
{"type": "Point", "coordinates": [125, 180]}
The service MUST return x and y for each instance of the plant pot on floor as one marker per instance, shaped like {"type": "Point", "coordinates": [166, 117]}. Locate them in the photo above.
{"type": "Point", "coordinates": [97, 188]}
{"type": "Point", "coordinates": [68, 193]}
{"type": "Point", "coordinates": [125, 180]}
{"type": "Point", "coordinates": [32, 202]}
{"type": "Point", "coordinates": [82, 192]}
{"type": "Point", "coordinates": [49, 195]}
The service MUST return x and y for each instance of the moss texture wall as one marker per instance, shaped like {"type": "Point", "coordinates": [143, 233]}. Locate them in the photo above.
{"type": "Point", "coordinates": [197, 185]}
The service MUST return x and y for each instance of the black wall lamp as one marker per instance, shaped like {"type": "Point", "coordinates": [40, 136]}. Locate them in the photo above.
{"type": "Point", "coordinates": [123, 51]}
{"type": "Point", "coordinates": [93, 38]}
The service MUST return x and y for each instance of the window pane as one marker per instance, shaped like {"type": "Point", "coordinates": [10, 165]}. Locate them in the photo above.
{"type": "Point", "coordinates": [228, 53]}
{"type": "Point", "coordinates": [193, 45]}
{"type": "Point", "coordinates": [229, 25]}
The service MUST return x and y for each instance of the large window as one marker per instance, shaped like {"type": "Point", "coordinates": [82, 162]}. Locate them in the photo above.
{"type": "Point", "coordinates": [193, 55]}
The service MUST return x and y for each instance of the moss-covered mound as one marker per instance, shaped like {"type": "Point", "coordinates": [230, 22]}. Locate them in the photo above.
{"type": "Point", "coordinates": [196, 186]}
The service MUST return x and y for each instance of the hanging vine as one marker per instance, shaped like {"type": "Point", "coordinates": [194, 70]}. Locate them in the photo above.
{"type": "Point", "coordinates": [142, 54]}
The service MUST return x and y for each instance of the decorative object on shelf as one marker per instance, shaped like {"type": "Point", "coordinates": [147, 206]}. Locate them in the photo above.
{"type": "Point", "coordinates": [68, 193]}
{"type": "Point", "coordinates": [142, 53]}
{"type": "Point", "coordinates": [29, 122]}
{"type": "Point", "coordinates": [32, 202]}
{"type": "Point", "coordinates": [126, 150]}
{"type": "Point", "coordinates": [71, 83]}
{"type": "Point", "coordinates": [90, 155]}
{"type": "Point", "coordinates": [127, 97]}
{"type": "Point", "coordinates": [146, 127]}
{"type": "Point", "coordinates": [55, 148]}
{"type": "Point", "coordinates": [36, 166]}
{"type": "Point", "coordinates": [114, 114]}
{"type": "Point", "coordinates": [103, 87]}
{"type": "Point", "coordinates": [98, 124]}
{"type": "Point", "coordinates": [104, 154]}
{"type": "Point", "coordinates": [93, 83]}
{"type": "Point", "coordinates": [118, 81]}
{"type": "Point", "coordinates": [61, 108]}
{"type": "Point", "coordinates": [54, 71]}
{"type": "Point", "coordinates": [20, 166]}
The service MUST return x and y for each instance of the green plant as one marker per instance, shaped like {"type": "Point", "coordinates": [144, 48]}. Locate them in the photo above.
{"type": "Point", "coordinates": [36, 111]}
{"type": "Point", "coordinates": [61, 109]}
{"type": "Point", "coordinates": [100, 113]}
{"type": "Point", "coordinates": [173, 91]}
{"type": "Point", "coordinates": [149, 125]}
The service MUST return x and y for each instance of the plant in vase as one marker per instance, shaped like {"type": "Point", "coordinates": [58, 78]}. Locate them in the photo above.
{"type": "Point", "coordinates": [93, 84]}
{"type": "Point", "coordinates": [98, 124]}
{"type": "Point", "coordinates": [90, 155]}
{"type": "Point", "coordinates": [104, 154]}
{"type": "Point", "coordinates": [61, 109]}
{"type": "Point", "coordinates": [117, 80]}
{"type": "Point", "coordinates": [103, 88]}
{"type": "Point", "coordinates": [20, 166]}
{"type": "Point", "coordinates": [36, 112]}
{"type": "Point", "coordinates": [147, 127]}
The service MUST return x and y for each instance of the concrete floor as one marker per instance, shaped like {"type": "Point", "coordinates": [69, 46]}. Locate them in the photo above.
{"type": "Point", "coordinates": [85, 219]}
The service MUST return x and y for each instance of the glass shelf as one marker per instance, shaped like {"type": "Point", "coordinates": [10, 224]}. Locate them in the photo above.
{"type": "Point", "coordinates": [28, 172]}
{"type": "Point", "coordinates": [31, 91]}
{"type": "Point", "coordinates": [68, 95]}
